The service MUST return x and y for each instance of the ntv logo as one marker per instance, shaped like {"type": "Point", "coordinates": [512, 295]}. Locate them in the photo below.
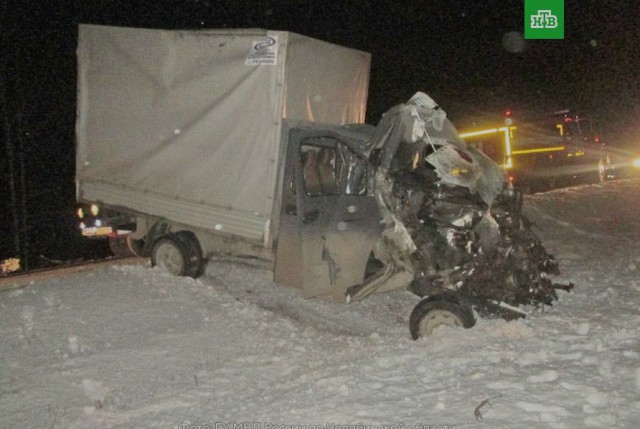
{"type": "Point", "coordinates": [544, 19]}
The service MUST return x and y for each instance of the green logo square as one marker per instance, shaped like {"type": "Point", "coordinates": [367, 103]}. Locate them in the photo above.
{"type": "Point", "coordinates": [544, 19]}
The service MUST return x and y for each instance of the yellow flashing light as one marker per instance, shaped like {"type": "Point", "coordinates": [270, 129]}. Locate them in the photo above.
{"type": "Point", "coordinates": [540, 150]}
{"type": "Point", "coordinates": [508, 136]}
{"type": "Point", "coordinates": [509, 164]}
{"type": "Point", "coordinates": [479, 133]}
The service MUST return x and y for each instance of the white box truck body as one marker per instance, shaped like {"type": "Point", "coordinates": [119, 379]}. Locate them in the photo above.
{"type": "Point", "coordinates": [187, 125]}
{"type": "Point", "coordinates": [186, 132]}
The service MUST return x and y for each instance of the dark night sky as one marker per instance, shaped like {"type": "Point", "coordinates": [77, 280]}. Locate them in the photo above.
{"type": "Point", "coordinates": [451, 49]}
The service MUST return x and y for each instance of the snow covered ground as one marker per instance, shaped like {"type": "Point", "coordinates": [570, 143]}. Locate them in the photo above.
{"type": "Point", "coordinates": [131, 347]}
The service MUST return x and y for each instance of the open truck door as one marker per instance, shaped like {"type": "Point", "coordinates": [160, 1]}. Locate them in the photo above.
{"type": "Point", "coordinates": [329, 222]}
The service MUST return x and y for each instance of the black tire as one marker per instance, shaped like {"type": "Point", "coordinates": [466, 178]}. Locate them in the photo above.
{"type": "Point", "coordinates": [171, 254]}
{"type": "Point", "coordinates": [118, 246]}
{"type": "Point", "coordinates": [195, 262]}
{"type": "Point", "coordinates": [438, 311]}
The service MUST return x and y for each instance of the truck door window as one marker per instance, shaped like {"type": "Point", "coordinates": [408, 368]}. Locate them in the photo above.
{"type": "Point", "coordinates": [329, 167]}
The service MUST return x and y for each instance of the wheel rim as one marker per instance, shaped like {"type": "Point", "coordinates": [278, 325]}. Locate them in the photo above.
{"type": "Point", "coordinates": [436, 318]}
{"type": "Point", "coordinates": [170, 258]}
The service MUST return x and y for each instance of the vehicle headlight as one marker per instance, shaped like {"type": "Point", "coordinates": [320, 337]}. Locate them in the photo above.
{"type": "Point", "coordinates": [95, 210]}
{"type": "Point", "coordinates": [80, 213]}
{"type": "Point", "coordinates": [636, 163]}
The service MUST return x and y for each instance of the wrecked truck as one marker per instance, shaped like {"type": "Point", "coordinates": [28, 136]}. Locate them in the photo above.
{"type": "Point", "coordinates": [250, 143]}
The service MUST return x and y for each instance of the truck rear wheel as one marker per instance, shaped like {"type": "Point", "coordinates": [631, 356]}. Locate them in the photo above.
{"type": "Point", "coordinates": [195, 262]}
{"type": "Point", "coordinates": [171, 255]}
{"type": "Point", "coordinates": [178, 254]}
{"type": "Point", "coordinates": [437, 311]}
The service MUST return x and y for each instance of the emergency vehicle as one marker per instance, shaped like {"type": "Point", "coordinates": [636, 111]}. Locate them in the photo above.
{"type": "Point", "coordinates": [545, 152]}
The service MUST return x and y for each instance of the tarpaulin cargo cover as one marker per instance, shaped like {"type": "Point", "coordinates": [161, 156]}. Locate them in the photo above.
{"type": "Point", "coordinates": [178, 124]}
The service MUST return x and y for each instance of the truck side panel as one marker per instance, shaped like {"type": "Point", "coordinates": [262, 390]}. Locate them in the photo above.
{"type": "Point", "coordinates": [207, 216]}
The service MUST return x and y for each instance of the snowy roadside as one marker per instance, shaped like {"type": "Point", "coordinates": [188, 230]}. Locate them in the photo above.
{"type": "Point", "coordinates": [132, 347]}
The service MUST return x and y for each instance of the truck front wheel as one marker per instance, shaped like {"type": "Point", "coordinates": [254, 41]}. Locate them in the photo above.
{"type": "Point", "coordinates": [170, 254]}
{"type": "Point", "coordinates": [437, 311]}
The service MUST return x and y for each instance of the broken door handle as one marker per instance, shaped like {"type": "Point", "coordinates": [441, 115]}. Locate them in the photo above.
{"type": "Point", "coordinates": [310, 217]}
{"type": "Point", "coordinates": [291, 209]}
